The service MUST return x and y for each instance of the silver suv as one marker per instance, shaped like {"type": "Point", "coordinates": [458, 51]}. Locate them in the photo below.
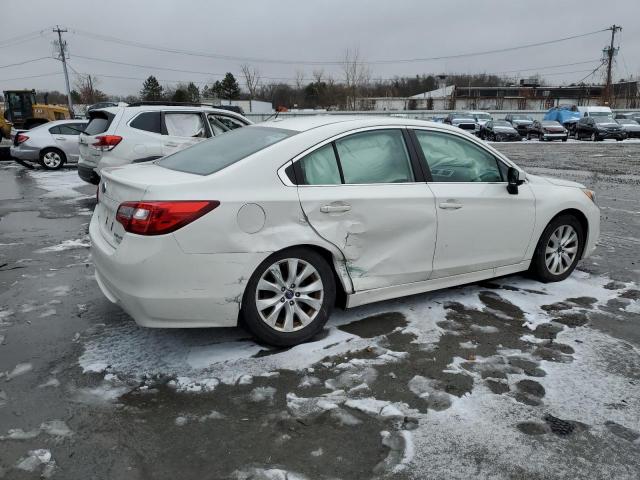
{"type": "Point", "coordinates": [142, 132]}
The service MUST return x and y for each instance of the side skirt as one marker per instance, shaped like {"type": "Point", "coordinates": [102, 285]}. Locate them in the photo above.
{"type": "Point", "coordinates": [395, 291]}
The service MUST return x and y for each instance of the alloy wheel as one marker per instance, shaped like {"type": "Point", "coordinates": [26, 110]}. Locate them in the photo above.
{"type": "Point", "coordinates": [561, 250]}
{"type": "Point", "coordinates": [52, 159]}
{"type": "Point", "coordinates": [289, 295]}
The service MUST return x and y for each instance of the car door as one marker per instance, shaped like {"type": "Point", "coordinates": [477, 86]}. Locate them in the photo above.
{"type": "Point", "coordinates": [66, 138]}
{"type": "Point", "coordinates": [364, 193]}
{"type": "Point", "coordinates": [480, 225]}
{"type": "Point", "coordinates": [181, 129]}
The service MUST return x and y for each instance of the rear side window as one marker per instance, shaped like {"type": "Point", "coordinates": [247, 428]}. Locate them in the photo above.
{"type": "Point", "coordinates": [320, 167]}
{"type": "Point", "coordinates": [99, 123]}
{"type": "Point", "coordinates": [219, 152]}
{"type": "Point", "coordinates": [230, 123]}
{"type": "Point", "coordinates": [185, 125]}
{"type": "Point", "coordinates": [379, 156]}
{"type": "Point", "coordinates": [147, 121]}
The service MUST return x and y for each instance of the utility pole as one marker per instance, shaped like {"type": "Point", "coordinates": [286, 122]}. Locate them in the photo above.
{"type": "Point", "coordinates": [62, 55]}
{"type": "Point", "coordinates": [610, 52]}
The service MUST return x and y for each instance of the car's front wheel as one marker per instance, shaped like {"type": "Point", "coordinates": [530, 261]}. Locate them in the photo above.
{"type": "Point", "coordinates": [52, 158]}
{"type": "Point", "coordinates": [558, 249]}
{"type": "Point", "coordinates": [289, 297]}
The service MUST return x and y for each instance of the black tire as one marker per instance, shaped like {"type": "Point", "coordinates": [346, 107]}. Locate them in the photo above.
{"type": "Point", "coordinates": [538, 267]}
{"type": "Point", "coordinates": [565, 139]}
{"type": "Point", "coordinates": [271, 336]}
{"type": "Point", "coordinates": [55, 152]}
{"type": "Point", "coordinates": [594, 137]}
{"type": "Point", "coordinates": [577, 135]}
{"type": "Point", "coordinates": [528, 136]}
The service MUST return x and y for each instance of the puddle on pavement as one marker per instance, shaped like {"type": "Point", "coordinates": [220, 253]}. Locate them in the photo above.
{"type": "Point", "coordinates": [375, 325]}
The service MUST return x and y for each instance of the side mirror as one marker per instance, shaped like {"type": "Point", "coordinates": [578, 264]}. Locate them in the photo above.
{"type": "Point", "coordinates": [513, 180]}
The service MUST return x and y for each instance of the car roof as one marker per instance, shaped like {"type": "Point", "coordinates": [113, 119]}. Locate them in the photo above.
{"type": "Point", "coordinates": [158, 108]}
{"type": "Point", "coordinates": [350, 122]}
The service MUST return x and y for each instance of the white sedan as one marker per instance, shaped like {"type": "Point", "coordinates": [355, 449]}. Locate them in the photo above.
{"type": "Point", "coordinates": [278, 223]}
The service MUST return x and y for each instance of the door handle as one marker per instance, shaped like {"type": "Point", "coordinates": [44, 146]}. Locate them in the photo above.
{"type": "Point", "coordinates": [335, 208]}
{"type": "Point", "coordinates": [170, 144]}
{"type": "Point", "coordinates": [60, 138]}
{"type": "Point", "coordinates": [450, 205]}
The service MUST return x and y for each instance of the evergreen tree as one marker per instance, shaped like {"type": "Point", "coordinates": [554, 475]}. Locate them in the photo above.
{"type": "Point", "coordinates": [151, 89]}
{"type": "Point", "coordinates": [193, 92]}
{"type": "Point", "coordinates": [180, 95]}
{"type": "Point", "coordinates": [228, 88]}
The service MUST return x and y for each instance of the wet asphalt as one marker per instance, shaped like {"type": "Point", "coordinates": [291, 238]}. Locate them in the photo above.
{"type": "Point", "coordinates": [51, 309]}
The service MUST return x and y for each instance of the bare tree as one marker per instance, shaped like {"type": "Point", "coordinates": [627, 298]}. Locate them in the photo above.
{"type": "Point", "coordinates": [299, 86]}
{"type": "Point", "coordinates": [87, 87]}
{"type": "Point", "coordinates": [356, 75]}
{"type": "Point", "coordinates": [252, 79]}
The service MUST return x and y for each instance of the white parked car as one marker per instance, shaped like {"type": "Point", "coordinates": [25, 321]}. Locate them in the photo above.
{"type": "Point", "coordinates": [481, 119]}
{"type": "Point", "coordinates": [51, 144]}
{"type": "Point", "coordinates": [142, 132]}
{"type": "Point", "coordinates": [276, 221]}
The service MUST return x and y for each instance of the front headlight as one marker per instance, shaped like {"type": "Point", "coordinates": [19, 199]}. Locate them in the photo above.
{"type": "Point", "coordinates": [590, 193]}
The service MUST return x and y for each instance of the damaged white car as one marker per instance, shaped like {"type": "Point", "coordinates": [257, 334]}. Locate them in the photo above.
{"type": "Point", "coordinates": [277, 223]}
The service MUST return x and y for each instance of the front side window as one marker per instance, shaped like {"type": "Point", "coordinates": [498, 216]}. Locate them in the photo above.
{"type": "Point", "coordinates": [320, 167]}
{"type": "Point", "coordinates": [185, 125]}
{"type": "Point", "coordinates": [229, 122]}
{"type": "Point", "coordinates": [454, 159]}
{"type": "Point", "coordinates": [217, 127]}
{"type": "Point", "coordinates": [378, 156]}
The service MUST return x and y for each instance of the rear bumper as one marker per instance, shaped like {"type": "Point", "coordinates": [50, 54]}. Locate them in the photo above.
{"type": "Point", "coordinates": [88, 174]}
{"type": "Point", "coordinates": [25, 153]}
{"type": "Point", "coordinates": [160, 286]}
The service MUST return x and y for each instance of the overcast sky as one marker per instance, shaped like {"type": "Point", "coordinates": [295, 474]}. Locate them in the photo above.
{"type": "Point", "coordinates": [312, 30]}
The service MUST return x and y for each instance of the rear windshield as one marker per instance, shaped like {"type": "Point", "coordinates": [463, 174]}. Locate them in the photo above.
{"type": "Point", "coordinates": [99, 123]}
{"type": "Point", "coordinates": [221, 151]}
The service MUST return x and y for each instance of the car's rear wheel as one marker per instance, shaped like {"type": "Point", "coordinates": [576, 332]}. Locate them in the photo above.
{"type": "Point", "coordinates": [558, 250]}
{"type": "Point", "coordinates": [52, 158]}
{"type": "Point", "coordinates": [289, 297]}
{"type": "Point", "coordinates": [594, 137]}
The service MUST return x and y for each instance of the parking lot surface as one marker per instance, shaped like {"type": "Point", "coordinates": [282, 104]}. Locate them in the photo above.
{"type": "Point", "coordinates": [504, 379]}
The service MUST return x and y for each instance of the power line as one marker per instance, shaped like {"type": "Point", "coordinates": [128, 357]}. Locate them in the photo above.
{"type": "Point", "coordinates": [31, 76]}
{"type": "Point", "coordinates": [27, 37]}
{"type": "Point", "coordinates": [25, 62]}
{"type": "Point", "coordinates": [152, 67]}
{"type": "Point", "coordinates": [107, 38]}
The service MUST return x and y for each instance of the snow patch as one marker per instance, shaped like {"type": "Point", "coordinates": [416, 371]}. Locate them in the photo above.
{"type": "Point", "coordinates": [83, 242]}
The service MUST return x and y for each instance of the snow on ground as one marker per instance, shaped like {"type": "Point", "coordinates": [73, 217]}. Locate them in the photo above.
{"type": "Point", "coordinates": [83, 242]}
{"type": "Point", "coordinates": [201, 357]}
{"type": "Point", "coordinates": [59, 184]}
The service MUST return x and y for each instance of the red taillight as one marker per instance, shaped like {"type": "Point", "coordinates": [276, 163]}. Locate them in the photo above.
{"type": "Point", "coordinates": [20, 138]}
{"type": "Point", "coordinates": [106, 142]}
{"type": "Point", "coordinates": [160, 217]}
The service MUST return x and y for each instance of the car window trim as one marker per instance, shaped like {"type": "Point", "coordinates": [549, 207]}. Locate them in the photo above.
{"type": "Point", "coordinates": [471, 140]}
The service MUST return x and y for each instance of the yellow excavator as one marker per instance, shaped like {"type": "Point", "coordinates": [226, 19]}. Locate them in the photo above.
{"type": "Point", "coordinates": [22, 112]}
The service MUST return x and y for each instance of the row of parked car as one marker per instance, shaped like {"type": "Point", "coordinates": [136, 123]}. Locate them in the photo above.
{"type": "Point", "coordinates": [120, 135]}
{"type": "Point", "coordinates": [596, 124]}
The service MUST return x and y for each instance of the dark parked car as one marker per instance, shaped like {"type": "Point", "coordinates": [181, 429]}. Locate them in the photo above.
{"type": "Point", "coordinates": [599, 128]}
{"type": "Point", "coordinates": [631, 127]}
{"type": "Point", "coordinates": [629, 115]}
{"type": "Point", "coordinates": [499, 131]}
{"type": "Point", "coordinates": [520, 122]}
{"type": "Point", "coordinates": [547, 130]}
{"type": "Point", "coordinates": [461, 120]}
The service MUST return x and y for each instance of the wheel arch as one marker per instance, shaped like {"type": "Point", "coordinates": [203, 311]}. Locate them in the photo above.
{"type": "Point", "coordinates": [582, 219]}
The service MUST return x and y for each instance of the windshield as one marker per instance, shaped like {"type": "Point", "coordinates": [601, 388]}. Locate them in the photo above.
{"type": "Point", "coordinates": [628, 121]}
{"type": "Point", "coordinates": [601, 114]}
{"type": "Point", "coordinates": [550, 124]}
{"type": "Point", "coordinates": [482, 116]}
{"type": "Point", "coordinates": [522, 117]}
{"type": "Point", "coordinates": [601, 119]}
{"type": "Point", "coordinates": [501, 123]}
{"type": "Point", "coordinates": [219, 152]}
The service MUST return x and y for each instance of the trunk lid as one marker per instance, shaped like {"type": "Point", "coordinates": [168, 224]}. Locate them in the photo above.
{"type": "Point", "coordinates": [129, 184]}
